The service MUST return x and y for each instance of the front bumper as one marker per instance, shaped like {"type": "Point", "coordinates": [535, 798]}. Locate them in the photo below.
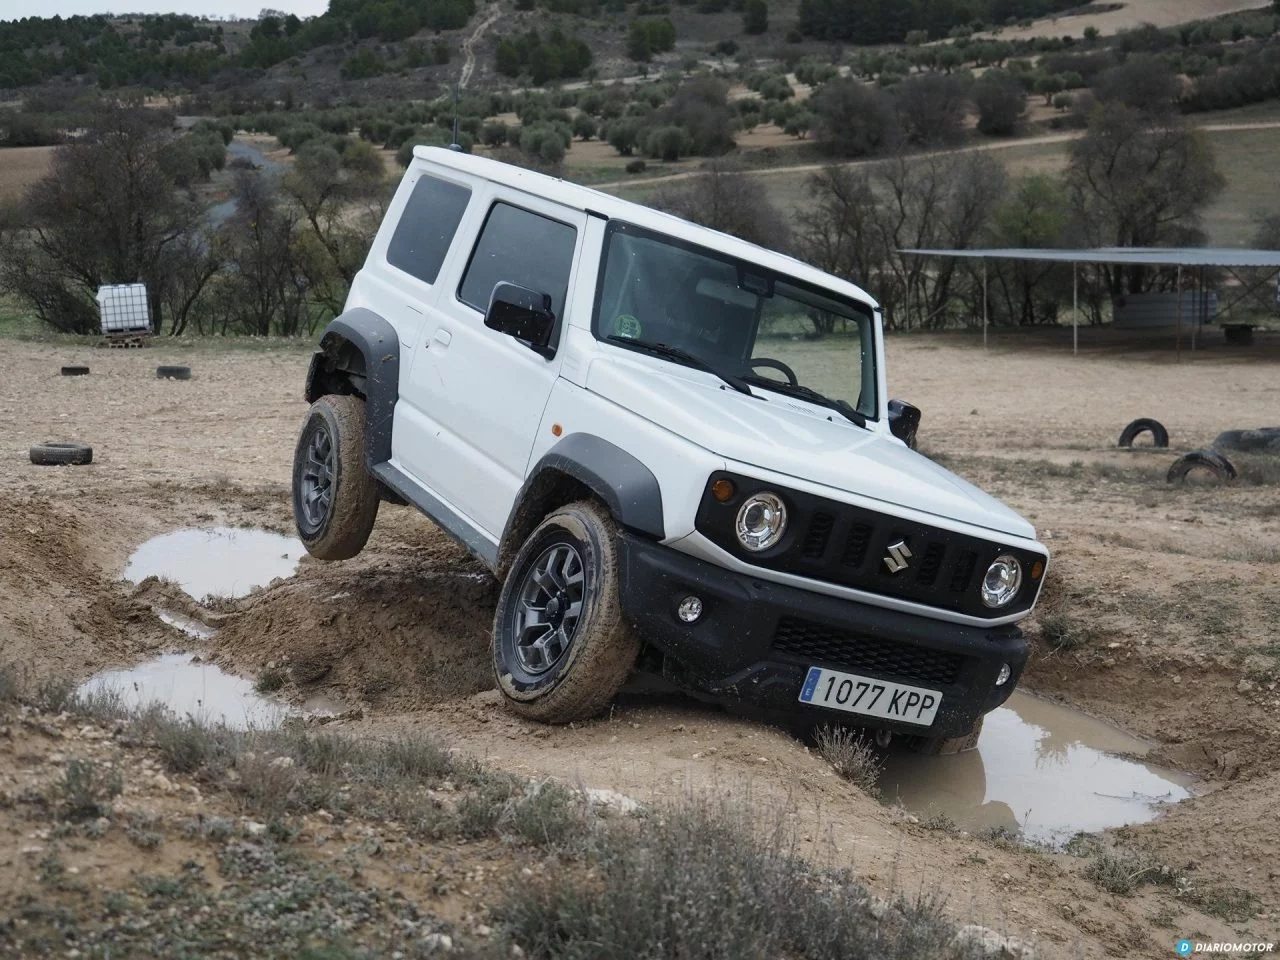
{"type": "Point", "coordinates": [756, 640]}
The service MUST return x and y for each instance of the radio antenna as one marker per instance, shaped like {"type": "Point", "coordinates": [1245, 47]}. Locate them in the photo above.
{"type": "Point", "coordinates": [455, 145]}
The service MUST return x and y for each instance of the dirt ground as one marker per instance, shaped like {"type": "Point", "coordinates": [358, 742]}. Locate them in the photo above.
{"type": "Point", "coordinates": [20, 167]}
{"type": "Point", "coordinates": [1170, 597]}
{"type": "Point", "coordinates": [1115, 17]}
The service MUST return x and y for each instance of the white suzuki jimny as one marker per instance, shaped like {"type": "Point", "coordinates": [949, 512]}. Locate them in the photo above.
{"type": "Point", "coordinates": [674, 450]}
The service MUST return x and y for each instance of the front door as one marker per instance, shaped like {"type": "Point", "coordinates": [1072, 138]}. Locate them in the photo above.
{"type": "Point", "coordinates": [481, 393]}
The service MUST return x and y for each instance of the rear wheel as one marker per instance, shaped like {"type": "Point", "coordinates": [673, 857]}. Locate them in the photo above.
{"type": "Point", "coordinates": [561, 649]}
{"type": "Point", "coordinates": [335, 500]}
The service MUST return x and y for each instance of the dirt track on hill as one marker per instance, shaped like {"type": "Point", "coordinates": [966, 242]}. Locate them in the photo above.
{"type": "Point", "coordinates": [1179, 589]}
{"type": "Point", "coordinates": [985, 147]}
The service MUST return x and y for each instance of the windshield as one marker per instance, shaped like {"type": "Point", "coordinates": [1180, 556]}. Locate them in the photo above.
{"type": "Point", "coordinates": [740, 319]}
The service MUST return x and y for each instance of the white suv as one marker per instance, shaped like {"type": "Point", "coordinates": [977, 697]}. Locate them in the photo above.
{"type": "Point", "coordinates": [673, 448]}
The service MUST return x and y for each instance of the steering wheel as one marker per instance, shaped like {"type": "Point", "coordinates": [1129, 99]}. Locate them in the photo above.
{"type": "Point", "coordinates": [775, 365]}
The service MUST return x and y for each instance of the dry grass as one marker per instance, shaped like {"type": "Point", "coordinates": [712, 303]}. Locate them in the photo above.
{"type": "Point", "coordinates": [693, 879]}
{"type": "Point", "coordinates": [693, 884]}
{"type": "Point", "coordinates": [20, 167]}
{"type": "Point", "coordinates": [852, 755]}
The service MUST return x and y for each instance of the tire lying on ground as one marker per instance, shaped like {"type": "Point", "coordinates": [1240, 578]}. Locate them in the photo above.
{"type": "Point", "coordinates": [55, 453]}
{"type": "Point", "coordinates": [1261, 440]}
{"type": "Point", "coordinates": [173, 373]}
{"type": "Point", "coordinates": [75, 371]}
{"type": "Point", "coordinates": [1159, 435]}
{"type": "Point", "coordinates": [1209, 460]}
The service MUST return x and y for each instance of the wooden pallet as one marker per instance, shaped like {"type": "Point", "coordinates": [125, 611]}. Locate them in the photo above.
{"type": "Point", "coordinates": [127, 340]}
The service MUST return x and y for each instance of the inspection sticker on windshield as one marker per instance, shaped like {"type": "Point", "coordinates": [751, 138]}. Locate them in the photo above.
{"type": "Point", "coordinates": [871, 698]}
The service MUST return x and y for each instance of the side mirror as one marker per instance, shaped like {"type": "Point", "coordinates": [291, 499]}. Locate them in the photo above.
{"type": "Point", "coordinates": [524, 314]}
{"type": "Point", "coordinates": [904, 421]}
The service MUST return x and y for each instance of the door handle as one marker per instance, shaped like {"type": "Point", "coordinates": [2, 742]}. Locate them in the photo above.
{"type": "Point", "coordinates": [442, 336]}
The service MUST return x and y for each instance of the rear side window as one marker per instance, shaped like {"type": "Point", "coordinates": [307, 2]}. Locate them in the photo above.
{"type": "Point", "coordinates": [517, 246]}
{"type": "Point", "coordinates": [426, 227]}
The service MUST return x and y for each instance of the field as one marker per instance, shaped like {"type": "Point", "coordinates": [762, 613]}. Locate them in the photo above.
{"type": "Point", "coordinates": [1169, 598]}
{"type": "Point", "coordinates": [20, 167]}
{"type": "Point", "coordinates": [1131, 14]}
{"type": "Point", "coordinates": [1242, 142]}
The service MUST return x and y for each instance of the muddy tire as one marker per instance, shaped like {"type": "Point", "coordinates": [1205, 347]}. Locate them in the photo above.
{"type": "Point", "coordinates": [56, 454]}
{"type": "Point", "coordinates": [561, 649]}
{"type": "Point", "coordinates": [335, 500]}
{"type": "Point", "coordinates": [1262, 440]}
{"type": "Point", "coordinates": [947, 746]}
{"type": "Point", "coordinates": [1159, 435]}
{"type": "Point", "coordinates": [1209, 460]}
{"type": "Point", "coordinates": [173, 373]}
{"type": "Point", "coordinates": [75, 371]}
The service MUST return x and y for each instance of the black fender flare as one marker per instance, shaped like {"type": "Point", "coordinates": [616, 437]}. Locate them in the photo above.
{"type": "Point", "coordinates": [360, 352]}
{"type": "Point", "coordinates": [622, 482]}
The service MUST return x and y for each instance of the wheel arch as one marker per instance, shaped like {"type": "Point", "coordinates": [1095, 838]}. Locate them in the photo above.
{"type": "Point", "coordinates": [582, 466]}
{"type": "Point", "coordinates": [360, 354]}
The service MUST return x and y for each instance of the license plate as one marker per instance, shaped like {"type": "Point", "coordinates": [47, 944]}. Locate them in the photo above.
{"type": "Point", "coordinates": [871, 698]}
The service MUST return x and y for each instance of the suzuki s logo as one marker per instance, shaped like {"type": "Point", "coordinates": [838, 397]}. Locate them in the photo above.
{"type": "Point", "coordinates": [898, 558]}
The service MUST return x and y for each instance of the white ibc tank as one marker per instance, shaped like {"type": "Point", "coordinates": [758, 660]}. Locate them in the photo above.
{"type": "Point", "coordinates": [124, 308]}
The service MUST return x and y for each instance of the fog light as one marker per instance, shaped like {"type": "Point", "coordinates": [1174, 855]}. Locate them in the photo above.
{"type": "Point", "coordinates": [690, 609]}
{"type": "Point", "coordinates": [1003, 676]}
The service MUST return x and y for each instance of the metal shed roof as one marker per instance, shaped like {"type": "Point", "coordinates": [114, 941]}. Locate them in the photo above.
{"type": "Point", "coordinates": [1155, 256]}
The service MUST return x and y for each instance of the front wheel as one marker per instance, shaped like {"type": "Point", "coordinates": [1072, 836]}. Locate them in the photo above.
{"type": "Point", "coordinates": [335, 500]}
{"type": "Point", "coordinates": [561, 649]}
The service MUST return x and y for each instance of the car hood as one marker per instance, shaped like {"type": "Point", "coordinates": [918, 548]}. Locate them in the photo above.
{"type": "Point", "coordinates": [788, 436]}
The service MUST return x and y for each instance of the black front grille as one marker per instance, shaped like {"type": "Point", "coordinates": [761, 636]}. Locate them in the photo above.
{"type": "Point", "coordinates": [818, 535]}
{"type": "Point", "coordinates": [818, 644]}
{"type": "Point", "coordinates": [854, 546]}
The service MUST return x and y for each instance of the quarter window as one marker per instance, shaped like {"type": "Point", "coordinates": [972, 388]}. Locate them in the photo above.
{"type": "Point", "coordinates": [516, 246]}
{"type": "Point", "coordinates": [426, 228]}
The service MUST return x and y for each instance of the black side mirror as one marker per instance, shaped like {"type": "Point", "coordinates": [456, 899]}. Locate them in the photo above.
{"type": "Point", "coordinates": [524, 314]}
{"type": "Point", "coordinates": [904, 421]}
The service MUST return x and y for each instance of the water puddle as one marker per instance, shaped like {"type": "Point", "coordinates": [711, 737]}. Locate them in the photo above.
{"type": "Point", "coordinates": [216, 562]}
{"type": "Point", "coordinates": [1040, 770]}
{"type": "Point", "coordinates": [191, 627]}
{"type": "Point", "coordinates": [189, 687]}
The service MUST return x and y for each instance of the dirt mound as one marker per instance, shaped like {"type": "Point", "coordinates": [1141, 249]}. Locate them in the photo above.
{"type": "Point", "coordinates": [60, 614]}
{"type": "Point", "coordinates": [404, 626]}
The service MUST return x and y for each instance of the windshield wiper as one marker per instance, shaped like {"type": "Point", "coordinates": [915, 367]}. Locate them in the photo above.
{"type": "Point", "coordinates": [802, 392]}
{"type": "Point", "coordinates": [683, 356]}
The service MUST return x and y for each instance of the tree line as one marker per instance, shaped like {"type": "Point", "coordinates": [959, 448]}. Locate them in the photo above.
{"type": "Point", "coordinates": [114, 209]}
{"type": "Point", "coordinates": [1137, 177]}
{"type": "Point", "coordinates": [155, 50]}
{"type": "Point", "coordinates": [872, 22]}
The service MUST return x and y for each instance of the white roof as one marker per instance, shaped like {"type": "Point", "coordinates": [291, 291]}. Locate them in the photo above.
{"type": "Point", "coordinates": [586, 199]}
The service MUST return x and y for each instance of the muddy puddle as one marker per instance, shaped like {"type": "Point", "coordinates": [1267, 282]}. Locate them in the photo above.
{"type": "Point", "coordinates": [194, 629]}
{"type": "Point", "coordinates": [216, 562]}
{"type": "Point", "coordinates": [1040, 770]}
{"type": "Point", "coordinates": [187, 686]}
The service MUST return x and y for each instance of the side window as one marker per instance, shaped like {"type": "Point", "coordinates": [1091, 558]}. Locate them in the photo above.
{"type": "Point", "coordinates": [517, 246]}
{"type": "Point", "coordinates": [426, 227]}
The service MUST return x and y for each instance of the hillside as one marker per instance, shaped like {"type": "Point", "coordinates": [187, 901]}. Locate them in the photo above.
{"type": "Point", "coordinates": [416, 48]}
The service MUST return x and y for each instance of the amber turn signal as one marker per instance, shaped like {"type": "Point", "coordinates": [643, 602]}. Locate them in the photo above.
{"type": "Point", "coordinates": [1037, 568]}
{"type": "Point", "coordinates": [723, 490]}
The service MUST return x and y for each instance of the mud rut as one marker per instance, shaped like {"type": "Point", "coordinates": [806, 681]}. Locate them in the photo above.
{"type": "Point", "coordinates": [402, 633]}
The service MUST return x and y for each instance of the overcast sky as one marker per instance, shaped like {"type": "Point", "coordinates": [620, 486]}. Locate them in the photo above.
{"type": "Point", "coordinates": [15, 9]}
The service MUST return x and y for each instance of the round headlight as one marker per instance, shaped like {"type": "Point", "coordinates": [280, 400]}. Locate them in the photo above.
{"type": "Point", "coordinates": [1002, 580]}
{"type": "Point", "coordinates": [762, 518]}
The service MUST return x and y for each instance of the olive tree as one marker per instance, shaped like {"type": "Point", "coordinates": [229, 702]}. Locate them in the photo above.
{"type": "Point", "coordinates": [1142, 180]}
{"type": "Point", "coordinates": [107, 212]}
